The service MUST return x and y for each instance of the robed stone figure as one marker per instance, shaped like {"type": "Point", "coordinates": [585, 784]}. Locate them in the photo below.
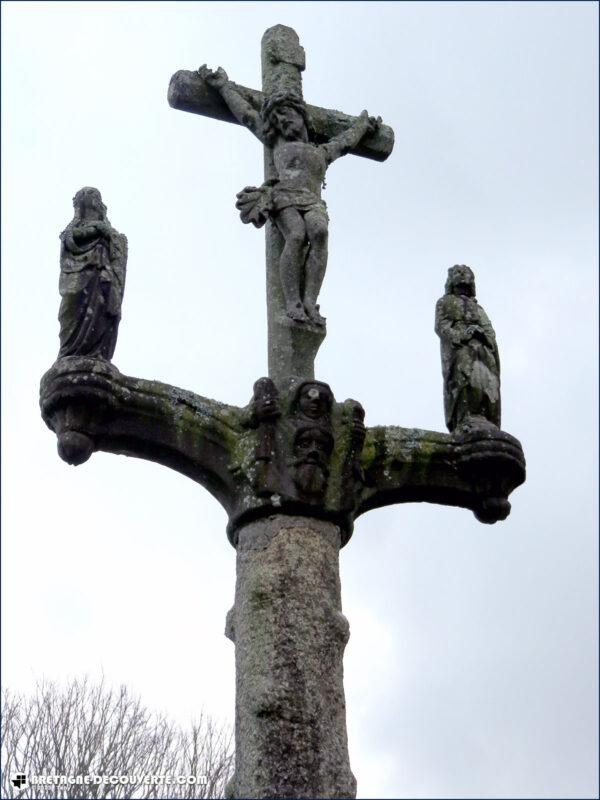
{"type": "Point", "coordinates": [470, 360]}
{"type": "Point", "coordinates": [93, 261]}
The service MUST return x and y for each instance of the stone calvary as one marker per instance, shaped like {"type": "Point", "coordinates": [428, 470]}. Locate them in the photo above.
{"type": "Point", "coordinates": [295, 467]}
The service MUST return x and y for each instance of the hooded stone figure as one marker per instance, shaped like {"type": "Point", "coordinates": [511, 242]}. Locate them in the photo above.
{"type": "Point", "coordinates": [265, 412]}
{"type": "Point", "coordinates": [470, 360]}
{"type": "Point", "coordinates": [93, 260]}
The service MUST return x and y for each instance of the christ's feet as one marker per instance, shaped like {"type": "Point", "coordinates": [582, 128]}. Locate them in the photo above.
{"type": "Point", "coordinates": [296, 312]}
{"type": "Point", "coordinates": [314, 316]}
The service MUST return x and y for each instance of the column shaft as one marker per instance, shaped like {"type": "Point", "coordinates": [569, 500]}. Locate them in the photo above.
{"type": "Point", "coordinates": [290, 635]}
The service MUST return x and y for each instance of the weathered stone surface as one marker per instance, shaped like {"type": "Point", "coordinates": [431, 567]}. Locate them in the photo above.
{"type": "Point", "coordinates": [146, 419]}
{"type": "Point", "coordinates": [293, 348]}
{"type": "Point", "coordinates": [470, 359]}
{"type": "Point", "coordinates": [290, 635]}
{"type": "Point", "coordinates": [264, 413]}
{"type": "Point", "coordinates": [475, 470]}
{"type": "Point", "coordinates": [282, 61]}
{"type": "Point", "coordinates": [93, 260]}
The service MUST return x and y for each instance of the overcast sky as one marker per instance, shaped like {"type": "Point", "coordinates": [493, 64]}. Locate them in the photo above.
{"type": "Point", "coordinates": [471, 669]}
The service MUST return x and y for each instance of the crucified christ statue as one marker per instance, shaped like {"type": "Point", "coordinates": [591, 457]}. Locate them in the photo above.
{"type": "Point", "coordinates": [293, 198]}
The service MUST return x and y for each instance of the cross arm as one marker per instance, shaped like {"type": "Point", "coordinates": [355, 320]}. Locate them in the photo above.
{"type": "Point", "coordinates": [91, 406]}
{"type": "Point", "coordinates": [344, 142]}
{"type": "Point", "coordinates": [477, 470]}
{"type": "Point", "coordinates": [188, 91]}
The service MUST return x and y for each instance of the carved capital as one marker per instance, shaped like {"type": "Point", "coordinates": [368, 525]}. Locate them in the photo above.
{"type": "Point", "coordinates": [295, 451]}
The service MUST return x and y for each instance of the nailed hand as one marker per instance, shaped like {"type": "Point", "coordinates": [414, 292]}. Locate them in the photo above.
{"type": "Point", "coordinates": [216, 79]}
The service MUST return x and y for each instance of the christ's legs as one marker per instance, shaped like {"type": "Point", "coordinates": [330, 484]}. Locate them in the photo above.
{"type": "Point", "coordinates": [291, 226]}
{"type": "Point", "coordinates": [316, 263]}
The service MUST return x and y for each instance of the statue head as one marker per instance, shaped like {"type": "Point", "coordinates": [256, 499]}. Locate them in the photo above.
{"type": "Point", "coordinates": [313, 399]}
{"type": "Point", "coordinates": [312, 448]}
{"type": "Point", "coordinates": [461, 281]}
{"type": "Point", "coordinates": [284, 114]}
{"type": "Point", "coordinates": [89, 200]}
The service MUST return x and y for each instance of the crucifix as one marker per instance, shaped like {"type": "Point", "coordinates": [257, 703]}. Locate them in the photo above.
{"type": "Point", "coordinates": [293, 468]}
{"type": "Point", "coordinates": [289, 201]}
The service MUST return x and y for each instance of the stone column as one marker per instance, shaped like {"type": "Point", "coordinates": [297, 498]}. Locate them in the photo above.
{"type": "Point", "coordinates": [290, 635]}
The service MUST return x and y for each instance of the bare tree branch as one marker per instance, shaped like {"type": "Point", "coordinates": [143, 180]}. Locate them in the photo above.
{"type": "Point", "coordinates": [86, 729]}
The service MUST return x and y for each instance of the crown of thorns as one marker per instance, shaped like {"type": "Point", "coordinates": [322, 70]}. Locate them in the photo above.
{"type": "Point", "coordinates": [282, 99]}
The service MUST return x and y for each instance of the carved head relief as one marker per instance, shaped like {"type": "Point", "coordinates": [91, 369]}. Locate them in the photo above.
{"type": "Point", "coordinates": [265, 399]}
{"type": "Point", "coordinates": [358, 423]}
{"type": "Point", "coordinates": [461, 281]}
{"type": "Point", "coordinates": [314, 399]}
{"type": "Point", "coordinates": [313, 446]}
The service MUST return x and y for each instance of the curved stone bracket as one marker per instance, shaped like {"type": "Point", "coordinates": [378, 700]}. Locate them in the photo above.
{"type": "Point", "coordinates": [295, 452]}
{"type": "Point", "coordinates": [476, 470]}
{"type": "Point", "coordinates": [89, 401]}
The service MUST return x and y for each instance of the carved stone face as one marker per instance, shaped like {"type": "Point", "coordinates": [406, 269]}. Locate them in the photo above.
{"type": "Point", "coordinates": [314, 400]}
{"type": "Point", "coordinates": [312, 448]}
{"type": "Point", "coordinates": [461, 281]}
{"type": "Point", "coordinates": [290, 123]}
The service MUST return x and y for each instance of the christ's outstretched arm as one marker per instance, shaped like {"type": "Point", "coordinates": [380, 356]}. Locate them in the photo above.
{"type": "Point", "coordinates": [239, 106]}
{"type": "Point", "coordinates": [349, 139]}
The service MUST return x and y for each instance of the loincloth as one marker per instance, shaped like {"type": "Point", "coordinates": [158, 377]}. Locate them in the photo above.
{"type": "Point", "coordinates": [303, 200]}
{"type": "Point", "coordinates": [257, 204]}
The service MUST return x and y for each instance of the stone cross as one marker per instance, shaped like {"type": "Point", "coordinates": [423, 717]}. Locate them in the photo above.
{"type": "Point", "coordinates": [292, 347]}
{"type": "Point", "coordinates": [294, 468]}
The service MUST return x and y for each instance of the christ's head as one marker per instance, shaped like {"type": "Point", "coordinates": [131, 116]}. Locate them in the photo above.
{"type": "Point", "coordinates": [284, 115]}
